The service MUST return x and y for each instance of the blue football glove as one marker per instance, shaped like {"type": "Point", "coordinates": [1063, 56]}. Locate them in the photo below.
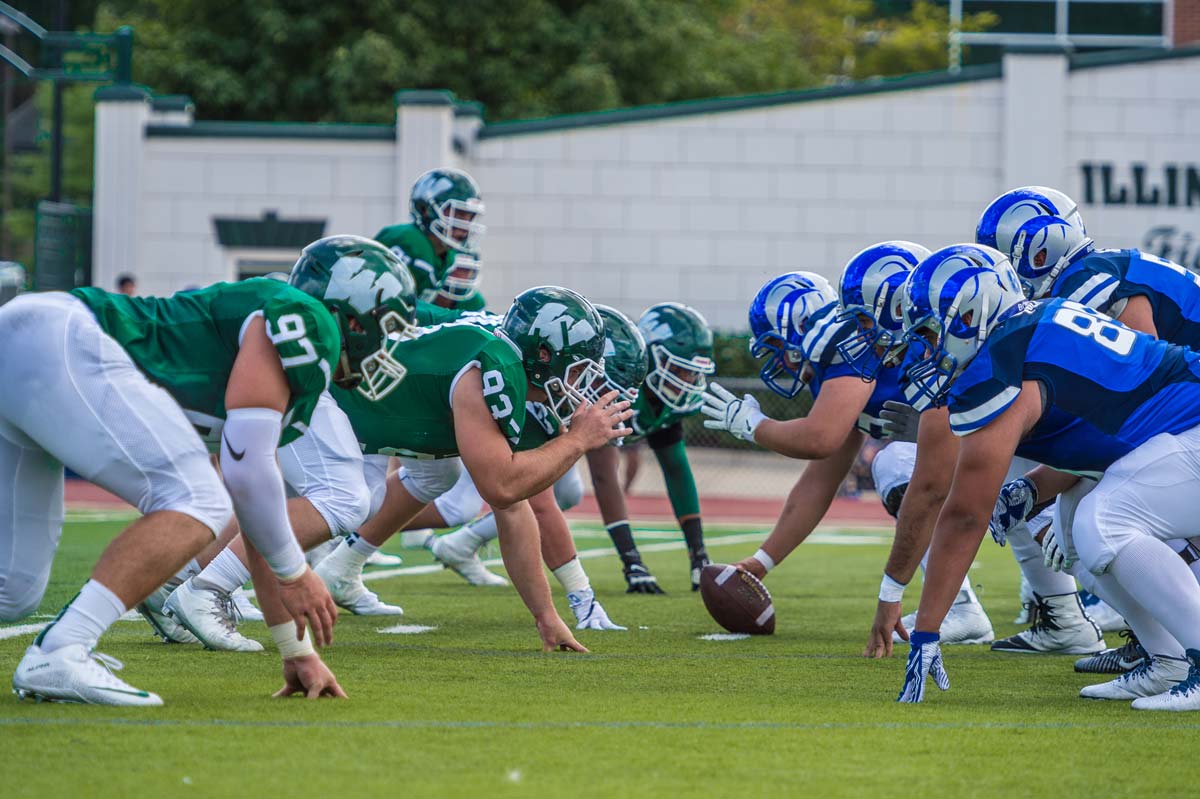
{"type": "Point", "coordinates": [924, 660]}
{"type": "Point", "coordinates": [1013, 506]}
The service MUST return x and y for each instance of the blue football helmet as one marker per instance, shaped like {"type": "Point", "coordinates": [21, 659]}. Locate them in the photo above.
{"type": "Point", "coordinates": [871, 299]}
{"type": "Point", "coordinates": [1007, 224]}
{"type": "Point", "coordinates": [955, 298]}
{"type": "Point", "coordinates": [779, 316]}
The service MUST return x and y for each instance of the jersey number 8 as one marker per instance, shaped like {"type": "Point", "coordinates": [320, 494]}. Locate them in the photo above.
{"type": "Point", "coordinates": [1105, 332]}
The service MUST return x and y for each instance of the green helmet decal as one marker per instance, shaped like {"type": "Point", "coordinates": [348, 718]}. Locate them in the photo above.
{"type": "Point", "coordinates": [680, 348]}
{"type": "Point", "coordinates": [625, 364]}
{"type": "Point", "coordinates": [372, 297]}
{"type": "Point", "coordinates": [445, 204]}
{"type": "Point", "coordinates": [560, 337]}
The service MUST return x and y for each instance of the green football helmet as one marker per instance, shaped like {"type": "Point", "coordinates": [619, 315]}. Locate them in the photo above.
{"type": "Point", "coordinates": [624, 356]}
{"type": "Point", "coordinates": [680, 347]}
{"type": "Point", "coordinates": [560, 337]}
{"type": "Point", "coordinates": [461, 279]}
{"type": "Point", "coordinates": [374, 300]}
{"type": "Point", "coordinates": [445, 204]}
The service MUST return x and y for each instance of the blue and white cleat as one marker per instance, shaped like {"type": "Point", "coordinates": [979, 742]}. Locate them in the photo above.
{"type": "Point", "coordinates": [1183, 696]}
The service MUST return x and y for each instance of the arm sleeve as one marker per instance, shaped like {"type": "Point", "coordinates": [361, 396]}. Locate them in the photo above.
{"type": "Point", "coordinates": [677, 472]}
{"type": "Point", "coordinates": [248, 443]}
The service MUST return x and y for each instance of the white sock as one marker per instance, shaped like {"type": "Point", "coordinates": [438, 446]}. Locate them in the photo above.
{"type": "Point", "coordinates": [84, 620]}
{"type": "Point", "coordinates": [1043, 581]}
{"type": "Point", "coordinates": [1163, 584]}
{"type": "Point", "coordinates": [348, 558]}
{"type": "Point", "coordinates": [572, 576]}
{"type": "Point", "coordinates": [361, 545]}
{"type": "Point", "coordinates": [481, 531]}
{"type": "Point", "coordinates": [1151, 635]}
{"type": "Point", "coordinates": [226, 573]}
{"type": "Point", "coordinates": [965, 592]}
{"type": "Point", "coordinates": [189, 571]}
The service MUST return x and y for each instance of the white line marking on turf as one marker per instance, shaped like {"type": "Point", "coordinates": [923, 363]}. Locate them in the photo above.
{"type": "Point", "coordinates": [406, 629]}
{"type": "Point", "coordinates": [724, 637]}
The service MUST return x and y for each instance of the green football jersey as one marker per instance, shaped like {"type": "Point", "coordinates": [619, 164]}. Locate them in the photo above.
{"type": "Point", "coordinates": [416, 419]}
{"type": "Point", "coordinates": [539, 427]}
{"type": "Point", "coordinates": [426, 266]}
{"type": "Point", "coordinates": [187, 343]}
{"type": "Point", "coordinates": [650, 416]}
{"type": "Point", "coordinates": [429, 314]}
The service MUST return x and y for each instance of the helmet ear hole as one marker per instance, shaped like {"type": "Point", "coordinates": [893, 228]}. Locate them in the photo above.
{"type": "Point", "coordinates": [544, 354]}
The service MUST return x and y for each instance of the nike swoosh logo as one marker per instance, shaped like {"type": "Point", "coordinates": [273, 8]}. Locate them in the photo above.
{"type": "Point", "coordinates": [121, 691]}
{"type": "Point", "coordinates": [237, 456]}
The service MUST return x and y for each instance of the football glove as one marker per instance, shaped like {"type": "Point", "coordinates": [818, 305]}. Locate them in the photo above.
{"type": "Point", "coordinates": [699, 561]}
{"type": "Point", "coordinates": [639, 580]}
{"type": "Point", "coordinates": [1013, 506]}
{"type": "Point", "coordinates": [900, 421]}
{"type": "Point", "coordinates": [924, 660]}
{"type": "Point", "coordinates": [589, 613]}
{"type": "Point", "coordinates": [1054, 554]}
{"type": "Point", "coordinates": [737, 416]}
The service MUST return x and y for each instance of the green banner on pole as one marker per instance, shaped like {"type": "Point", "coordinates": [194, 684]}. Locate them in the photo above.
{"type": "Point", "coordinates": [62, 247]}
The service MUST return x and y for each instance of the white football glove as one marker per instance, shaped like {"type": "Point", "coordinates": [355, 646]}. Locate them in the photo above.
{"type": "Point", "coordinates": [589, 613]}
{"type": "Point", "coordinates": [737, 416]}
{"type": "Point", "coordinates": [900, 421]}
{"type": "Point", "coordinates": [1054, 555]}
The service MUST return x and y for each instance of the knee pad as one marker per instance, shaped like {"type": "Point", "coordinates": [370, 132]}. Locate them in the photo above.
{"type": "Point", "coordinates": [568, 489]}
{"type": "Point", "coordinates": [891, 472]}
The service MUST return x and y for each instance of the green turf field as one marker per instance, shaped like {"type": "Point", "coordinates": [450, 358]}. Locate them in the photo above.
{"type": "Point", "coordinates": [474, 709]}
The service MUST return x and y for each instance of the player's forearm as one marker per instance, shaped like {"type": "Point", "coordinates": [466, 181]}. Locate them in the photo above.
{"type": "Point", "coordinates": [798, 438]}
{"type": "Point", "coordinates": [266, 587]}
{"type": "Point", "coordinates": [955, 543]}
{"type": "Point", "coordinates": [1050, 483]}
{"type": "Point", "coordinates": [527, 473]}
{"type": "Point", "coordinates": [520, 548]}
{"type": "Point", "coordinates": [806, 505]}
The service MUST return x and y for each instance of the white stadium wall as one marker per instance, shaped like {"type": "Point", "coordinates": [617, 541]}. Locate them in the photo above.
{"type": "Point", "coordinates": [696, 201]}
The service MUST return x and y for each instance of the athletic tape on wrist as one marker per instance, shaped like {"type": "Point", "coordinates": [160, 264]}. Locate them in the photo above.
{"type": "Point", "coordinates": [766, 560]}
{"type": "Point", "coordinates": [890, 590]}
{"type": "Point", "coordinates": [284, 636]}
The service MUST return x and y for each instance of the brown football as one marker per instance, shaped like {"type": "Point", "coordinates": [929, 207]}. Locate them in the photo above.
{"type": "Point", "coordinates": [737, 600]}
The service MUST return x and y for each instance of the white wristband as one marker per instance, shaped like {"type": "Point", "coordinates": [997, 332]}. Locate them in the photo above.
{"type": "Point", "coordinates": [890, 590]}
{"type": "Point", "coordinates": [285, 640]}
{"type": "Point", "coordinates": [766, 560]}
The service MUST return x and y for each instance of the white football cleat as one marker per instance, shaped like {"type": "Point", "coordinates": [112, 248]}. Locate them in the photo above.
{"type": "Point", "coordinates": [417, 539]}
{"type": "Point", "coordinates": [380, 558]}
{"type": "Point", "coordinates": [210, 616]}
{"type": "Point", "coordinates": [1028, 606]}
{"type": "Point", "coordinates": [245, 609]}
{"type": "Point", "coordinates": [1185, 695]}
{"type": "Point", "coordinates": [166, 628]}
{"type": "Point", "coordinates": [966, 623]}
{"type": "Point", "coordinates": [1154, 676]}
{"type": "Point", "coordinates": [76, 674]}
{"type": "Point", "coordinates": [1060, 627]}
{"type": "Point", "coordinates": [589, 613]}
{"type": "Point", "coordinates": [458, 556]}
{"type": "Point", "coordinates": [347, 589]}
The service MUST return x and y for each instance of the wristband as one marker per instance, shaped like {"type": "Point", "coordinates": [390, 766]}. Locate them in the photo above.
{"type": "Point", "coordinates": [890, 590]}
{"type": "Point", "coordinates": [294, 576]}
{"type": "Point", "coordinates": [766, 560]}
{"type": "Point", "coordinates": [285, 641]}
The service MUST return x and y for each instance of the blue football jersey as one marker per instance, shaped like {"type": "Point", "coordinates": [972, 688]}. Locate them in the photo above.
{"type": "Point", "coordinates": [827, 363]}
{"type": "Point", "coordinates": [1104, 278]}
{"type": "Point", "coordinates": [1108, 389]}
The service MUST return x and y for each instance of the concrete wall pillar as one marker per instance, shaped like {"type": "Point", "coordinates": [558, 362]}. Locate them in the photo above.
{"type": "Point", "coordinates": [1035, 117]}
{"type": "Point", "coordinates": [424, 140]}
{"type": "Point", "coordinates": [121, 116]}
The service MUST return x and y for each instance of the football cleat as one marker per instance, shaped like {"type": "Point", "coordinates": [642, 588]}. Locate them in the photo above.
{"type": "Point", "coordinates": [1185, 695]}
{"type": "Point", "coordinates": [347, 589]}
{"type": "Point", "coordinates": [244, 608]}
{"type": "Point", "coordinates": [1117, 660]}
{"type": "Point", "coordinates": [209, 615]}
{"type": "Point", "coordinates": [699, 561]}
{"type": "Point", "coordinates": [1028, 606]}
{"type": "Point", "coordinates": [379, 558]}
{"type": "Point", "coordinates": [1060, 627]}
{"type": "Point", "coordinates": [76, 674]}
{"type": "Point", "coordinates": [639, 580]}
{"type": "Point", "coordinates": [166, 628]}
{"type": "Point", "coordinates": [1154, 676]}
{"type": "Point", "coordinates": [460, 557]}
{"type": "Point", "coordinates": [589, 613]}
{"type": "Point", "coordinates": [966, 623]}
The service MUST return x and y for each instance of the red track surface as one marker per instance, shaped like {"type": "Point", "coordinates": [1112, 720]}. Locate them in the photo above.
{"type": "Point", "coordinates": [759, 510]}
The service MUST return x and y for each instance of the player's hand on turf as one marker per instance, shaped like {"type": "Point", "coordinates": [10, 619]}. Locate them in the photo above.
{"type": "Point", "coordinates": [309, 676]}
{"type": "Point", "coordinates": [740, 417]}
{"type": "Point", "coordinates": [589, 613]}
{"type": "Point", "coordinates": [556, 635]}
{"type": "Point", "coordinates": [1013, 506]}
{"type": "Point", "coordinates": [900, 421]}
{"type": "Point", "coordinates": [308, 602]}
{"type": "Point", "coordinates": [1054, 554]}
{"type": "Point", "coordinates": [924, 660]}
{"type": "Point", "coordinates": [639, 580]}
{"type": "Point", "coordinates": [887, 620]}
{"type": "Point", "coordinates": [596, 424]}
